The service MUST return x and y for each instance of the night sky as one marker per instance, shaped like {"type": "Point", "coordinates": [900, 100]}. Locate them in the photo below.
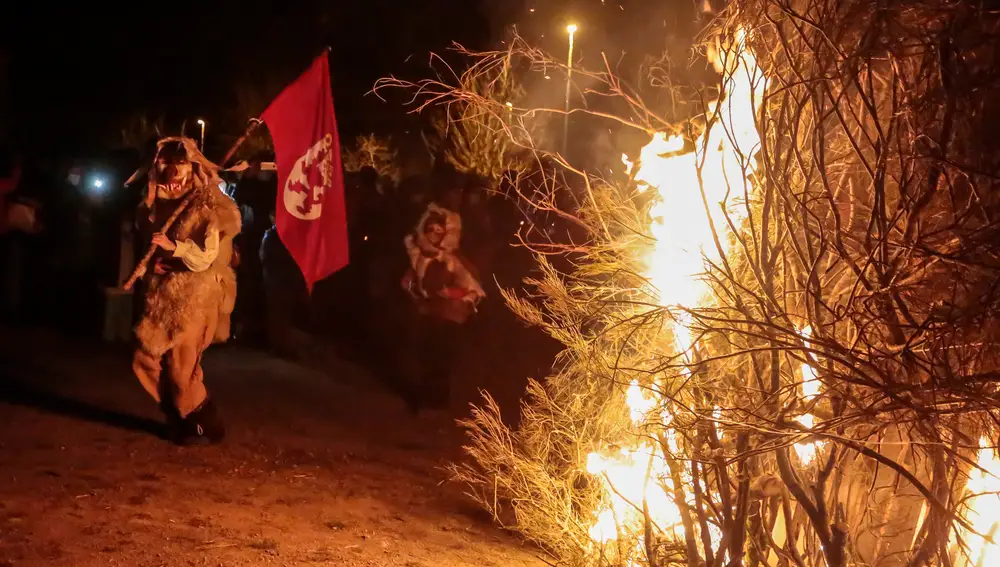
{"type": "Point", "coordinates": [75, 71]}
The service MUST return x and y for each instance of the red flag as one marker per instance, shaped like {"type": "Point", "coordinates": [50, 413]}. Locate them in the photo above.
{"type": "Point", "coordinates": [310, 214]}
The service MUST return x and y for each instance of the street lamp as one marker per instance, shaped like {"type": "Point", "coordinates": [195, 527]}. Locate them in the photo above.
{"type": "Point", "coordinates": [569, 78]}
{"type": "Point", "coordinates": [202, 124]}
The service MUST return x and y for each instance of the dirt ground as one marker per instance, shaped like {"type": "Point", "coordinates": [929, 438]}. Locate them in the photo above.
{"type": "Point", "coordinates": [317, 469]}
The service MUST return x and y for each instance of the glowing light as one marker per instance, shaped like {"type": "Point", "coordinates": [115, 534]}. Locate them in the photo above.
{"type": "Point", "coordinates": [807, 451]}
{"type": "Point", "coordinates": [571, 28]}
{"type": "Point", "coordinates": [509, 105]}
{"type": "Point", "coordinates": [696, 188]}
{"type": "Point", "coordinates": [98, 184]}
{"type": "Point", "coordinates": [201, 143]}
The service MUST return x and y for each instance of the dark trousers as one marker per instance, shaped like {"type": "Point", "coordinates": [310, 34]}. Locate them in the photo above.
{"type": "Point", "coordinates": [11, 250]}
{"type": "Point", "coordinates": [430, 349]}
{"type": "Point", "coordinates": [284, 305]}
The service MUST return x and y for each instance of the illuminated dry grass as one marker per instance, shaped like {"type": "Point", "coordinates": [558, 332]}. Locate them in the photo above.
{"type": "Point", "coordinates": [374, 152]}
{"type": "Point", "coordinates": [480, 131]}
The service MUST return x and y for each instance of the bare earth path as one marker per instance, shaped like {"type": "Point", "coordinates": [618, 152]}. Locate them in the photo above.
{"type": "Point", "coordinates": [315, 471]}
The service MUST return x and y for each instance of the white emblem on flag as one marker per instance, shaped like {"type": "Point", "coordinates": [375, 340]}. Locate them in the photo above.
{"type": "Point", "coordinates": [309, 179]}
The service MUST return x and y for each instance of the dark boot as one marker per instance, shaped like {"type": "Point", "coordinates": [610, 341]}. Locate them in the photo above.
{"type": "Point", "coordinates": [174, 424]}
{"type": "Point", "coordinates": [202, 426]}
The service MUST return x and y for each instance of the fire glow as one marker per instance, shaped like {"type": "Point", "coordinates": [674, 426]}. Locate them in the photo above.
{"type": "Point", "coordinates": [698, 195]}
{"type": "Point", "coordinates": [694, 193]}
{"type": "Point", "coordinates": [982, 512]}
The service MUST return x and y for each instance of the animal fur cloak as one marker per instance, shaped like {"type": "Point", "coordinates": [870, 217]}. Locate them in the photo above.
{"type": "Point", "coordinates": [422, 252]}
{"type": "Point", "coordinates": [182, 302]}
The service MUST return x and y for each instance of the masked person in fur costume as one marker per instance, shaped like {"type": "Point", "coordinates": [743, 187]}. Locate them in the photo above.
{"type": "Point", "coordinates": [445, 294]}
{"type": "Point", "coordinates": [191, 289]}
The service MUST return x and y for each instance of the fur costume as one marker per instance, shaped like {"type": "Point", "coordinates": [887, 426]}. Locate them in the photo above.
{"type": "Point", "coordinates": [182, 301]}
{"type": "Point", "coordinates": [189, 302]}
{"type": "Point", "coordinates": [422, 252]}
{"type": "Point", "coordinates": [452, 226]}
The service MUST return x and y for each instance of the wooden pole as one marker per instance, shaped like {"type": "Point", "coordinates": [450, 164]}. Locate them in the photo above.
{"type": "Point", "coordinates": [140, 268]}
{"type": "Point", "coordinates": [254, 122]}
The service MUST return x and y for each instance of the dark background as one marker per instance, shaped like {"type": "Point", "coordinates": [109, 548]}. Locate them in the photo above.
{"type": "Point", "coordinates": [74, 73]}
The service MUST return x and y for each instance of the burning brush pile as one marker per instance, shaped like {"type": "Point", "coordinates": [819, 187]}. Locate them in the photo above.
{"type": "Point", "coordinates": [781, 339]}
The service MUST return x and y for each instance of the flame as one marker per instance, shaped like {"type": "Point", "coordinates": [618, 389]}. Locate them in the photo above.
{"type": "Point", "coordinates": [807, 451]}
{"type": "Point", "coordinates": [810, 383]}
{"type": "Point", "coordinates": [625, 472]}
{"type": "Point", "coordinates": [639, 406]}
{"type": "Point", "coordinates": [810, 389]}
{"type": "Point", "coordinates": [605, 529]}
{"type": "Point", "coordinates": [694, 190]}
{"type": "Point", "coordinates": [983, 511]}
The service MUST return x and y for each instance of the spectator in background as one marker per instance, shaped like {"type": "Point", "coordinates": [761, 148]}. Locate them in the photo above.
{"type": "Point", "coordinates": [285, 295]}
{"type": "Point", "coordinates": [255, 193]}
{"type": "Point", "coordinates": [17, 213]}
{"type": "Point", "coordinates": [10, 176]}
{"type": "Point", "coordinates": [18, 217]}
{"type": "Point", "coordinates": [366, 237]}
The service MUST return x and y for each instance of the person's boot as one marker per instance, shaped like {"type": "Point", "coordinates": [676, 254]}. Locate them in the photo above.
{"type": "Point", "coordinates": [203, 426]}
{"type": "Point", "coordinates": [174, 431]}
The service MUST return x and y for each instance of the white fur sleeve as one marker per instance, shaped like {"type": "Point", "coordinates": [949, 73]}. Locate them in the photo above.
{"type": "Point", "coordinates": [196, 259]}
{"type": "Point", "coordinates": [453, 231]}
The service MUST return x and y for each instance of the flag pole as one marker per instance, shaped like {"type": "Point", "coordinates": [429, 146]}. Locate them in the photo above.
{"type": "Point", "coordinates": [254, 123]}
{"type": "Point", "coordinates": [140, 268]}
